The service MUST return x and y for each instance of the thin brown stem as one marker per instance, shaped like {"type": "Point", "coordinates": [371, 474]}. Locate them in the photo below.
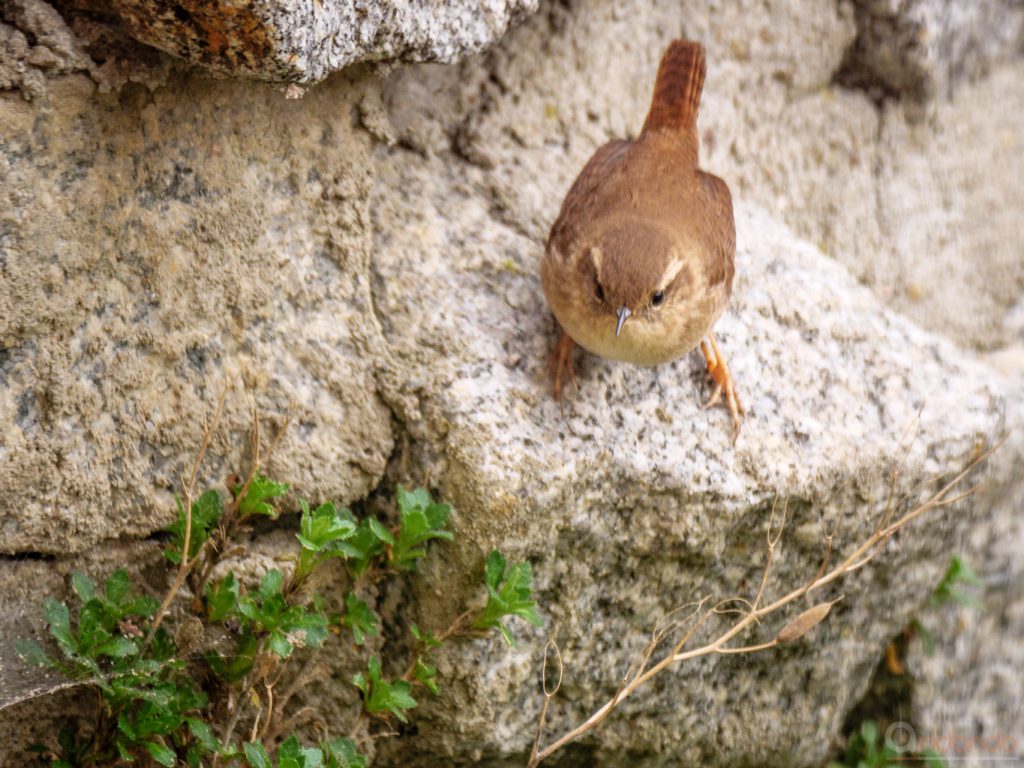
{"type": "Point", "coordinates": [188, 491]}
{"type": "Point", "coordinates": [860, 556]}
{"type": "Point", "coordinates": [303, 677]}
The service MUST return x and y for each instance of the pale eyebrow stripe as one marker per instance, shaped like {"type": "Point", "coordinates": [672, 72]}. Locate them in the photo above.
{"type": "Point", "coordinates": [674, 268]}
{"type": "Point", "coordinates": [596, 256]}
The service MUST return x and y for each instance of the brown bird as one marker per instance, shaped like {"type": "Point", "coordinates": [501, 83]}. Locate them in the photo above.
{"type": "Point", "coordinates": [639, 263]}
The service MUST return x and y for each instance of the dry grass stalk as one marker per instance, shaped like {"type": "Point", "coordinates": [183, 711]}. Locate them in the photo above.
{"type": "Point", "coordinates": [754, 612]}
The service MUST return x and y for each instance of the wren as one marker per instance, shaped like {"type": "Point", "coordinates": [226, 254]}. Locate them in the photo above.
{"type": "Point", "coordinates": [639, 264]}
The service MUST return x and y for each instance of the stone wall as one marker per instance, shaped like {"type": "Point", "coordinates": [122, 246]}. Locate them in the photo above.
{"type": "Point", "coordinates": [359, 268]}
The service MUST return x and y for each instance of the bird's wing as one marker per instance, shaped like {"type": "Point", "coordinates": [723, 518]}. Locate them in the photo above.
{"type": "Point", "coordinates": [719, 231]}
{"type": "Point", "coordinates": [597, 170]}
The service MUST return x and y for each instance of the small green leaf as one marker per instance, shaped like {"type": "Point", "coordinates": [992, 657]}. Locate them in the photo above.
{"type": "Point", "coordinates": [381, 696]}
{"type": "Point", "coordinates": [256, 500]}
{"type": "Point", "coordinates": [427, 639]}
{"type": "Point", "coordinates": [32, 653]}
{"type": "Point", "coordinates": [420, 521]}
{"type": "Point", "coordinates": [124, 725]}
{"type": "Point", "coordinates": [494, 569]}
{"type": "Point", "coordinates": [342, 753]}
{"type": "Point", "coordinates": [378, 529]}
{"type": "Point", "coordinates": [59, 621]}
{"type": "Point", "coordinates": [83, 586]}
{"type": "Point", "coordinates": [256, 755]}
{"type": "Point", "coordinates": [222, 597]}
{"type": "Point", "coordinates": [312, 625]}
{"type": "Point", "coordinates": [958, 574]}
{"type": "Point", "coordinates": [270, 584]}
{"type": "Point", "coordinates": [427, 675]}
{"type": "Point", "coordinates": [203, 734]}
{"type": "Point", "coordinates": [359, 618]}
{"type": "Point", "coordinates": [123, 750]}
{"type": "Point", "coordinates": [118, 588]}
{"type": "Point", "coordinates": [323, 526]}
{"type": "Point", "coordinates": [161, 754]}
{"type": "Point", "coordinates": [278, 643]}
{"type": "Point", "coordinates": [360, 682]}
{"type": "Point", "coordinates": [291, 755]}
{"type": "Point", "coordinates": [323, 534]}
{"type": "Point", "coordinates": [364, 546]}
{"type": "Point", "coordinates": [117, 647]}
{"type": "Point", "coordinates": [509, 593]}
{"type": "Point", "coordinates": [506, 635]}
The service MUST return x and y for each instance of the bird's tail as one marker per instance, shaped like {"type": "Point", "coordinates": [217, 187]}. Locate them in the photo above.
{"type": "Point", "coordinates": [677, 89]}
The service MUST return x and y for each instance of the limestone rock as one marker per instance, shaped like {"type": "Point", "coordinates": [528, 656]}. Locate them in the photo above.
{"type": "Point", "coordinates": [202, 251]}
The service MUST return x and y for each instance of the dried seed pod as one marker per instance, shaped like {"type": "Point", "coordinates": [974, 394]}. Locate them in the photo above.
{"type": "Point", "coordinates": [189, 635]}
{"type": "Point", "coordinates": [805, 622]}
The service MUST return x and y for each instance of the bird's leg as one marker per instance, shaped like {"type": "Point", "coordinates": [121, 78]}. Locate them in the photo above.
{"type": "Point", "coordinates": [560, 363]}
{"type": "Point", "coordinates": [722, 376]}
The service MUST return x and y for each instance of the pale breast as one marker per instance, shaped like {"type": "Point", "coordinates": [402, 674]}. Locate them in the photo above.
{"type": "Point", "coordinates": [658, 337]}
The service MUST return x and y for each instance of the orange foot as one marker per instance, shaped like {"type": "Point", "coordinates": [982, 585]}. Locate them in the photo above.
{"type": "Point", "coordinates": [720, 374]}
{"type": "Point", "coordinates": [560, 364]}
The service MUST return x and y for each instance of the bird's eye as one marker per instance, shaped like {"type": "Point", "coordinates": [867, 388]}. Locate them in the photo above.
{"type": "Point", "coordinates": [599, 292]}
{"type": "Point", "coordinates": [658, 298]}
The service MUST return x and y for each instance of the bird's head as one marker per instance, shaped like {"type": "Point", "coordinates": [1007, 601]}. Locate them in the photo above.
{"type": "Point", "coordinates": [633, 272]}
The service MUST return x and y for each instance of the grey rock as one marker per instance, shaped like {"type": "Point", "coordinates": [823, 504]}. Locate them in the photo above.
{"type": "Point", "coordinates": [49, 32]}
{"type": "Point", "coordinates": [920, 48]}
{"type": "Point", "coordinates": [632, 502]}
{"type": "Point", "coordinates": [967, 697]}
{"type": "Point", "coordinates": [364, 261]}
{"type": "Point", "coordinates": [305, 42]}
{"type": "Point", "coordinates": [925, 213]}
{"type": "Point", "coordinates": [183, 267]}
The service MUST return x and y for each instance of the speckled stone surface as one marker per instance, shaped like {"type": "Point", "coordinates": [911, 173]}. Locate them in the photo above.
{"type": "Point", "coordinates": [361, 264]}
{"type": "Point", "coordinates": [633, 502]}
{"type": "Point", "coordinates": [305, 42]}
{"type": "Point", "coordinates": [923, 48]}
{"type": "Point", "coordinates": [155, 251]}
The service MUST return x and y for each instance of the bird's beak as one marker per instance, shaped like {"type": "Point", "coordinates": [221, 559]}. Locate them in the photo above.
{"type": "Point", "coordinates": [623, 313]}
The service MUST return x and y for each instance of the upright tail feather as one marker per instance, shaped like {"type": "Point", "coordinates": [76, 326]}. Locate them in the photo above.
{"type": "Point", "coordinates": [677, 89]}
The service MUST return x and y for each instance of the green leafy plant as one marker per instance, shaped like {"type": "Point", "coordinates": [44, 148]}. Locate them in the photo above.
{"type": "Point", "coordinates": [422, 520]}
{"type": "Point", "coordinates": [508, 594]}
{"type": "Point", "coordinates": [337, 753]}
{"type": "Point", "coordinates": [949, 591]}
{"type": "Point", "coordinates": [868, 749]}
{"type": "Point", "coordinates": [381, 696]}
{"type": "Point", "coordinates": [149, 700]}
{"type": "Point", "coordinates": [174, 699]}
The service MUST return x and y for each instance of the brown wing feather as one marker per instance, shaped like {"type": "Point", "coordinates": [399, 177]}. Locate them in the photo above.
{"type": "Point", "coordinates": [720, 231]}
{"type": "Point", "coordinates": [604, 161]}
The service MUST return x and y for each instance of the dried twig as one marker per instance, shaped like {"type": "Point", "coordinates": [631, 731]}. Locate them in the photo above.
{"type": "Point", "coordinates": [796, 628]}
{"type": "Point", "coordinates": [188, 491]}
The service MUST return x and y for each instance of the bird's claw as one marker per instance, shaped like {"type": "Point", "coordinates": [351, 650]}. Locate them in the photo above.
{"type": "Point", "coordinates": [560, 365]}
{"type": "Point", "coordinates": [719, 372]}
